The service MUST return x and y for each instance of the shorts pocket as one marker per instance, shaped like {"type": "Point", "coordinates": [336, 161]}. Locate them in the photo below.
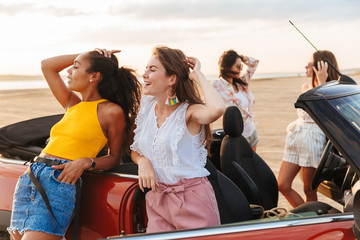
{"type": "Point", "coordinates": [202, 194]}
{"type": "Point", "coordinates": [55, 174]}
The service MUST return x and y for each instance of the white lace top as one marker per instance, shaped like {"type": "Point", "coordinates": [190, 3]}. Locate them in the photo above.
{"type": "Point", "coordinates": [172, 150]}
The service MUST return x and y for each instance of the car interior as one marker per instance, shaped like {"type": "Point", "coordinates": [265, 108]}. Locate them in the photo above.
{"type": "Point", "coordinates": [249, 171]}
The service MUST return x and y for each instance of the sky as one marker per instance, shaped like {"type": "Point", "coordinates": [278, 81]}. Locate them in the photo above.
{"type": "Point", "coordinates": [35, 30]}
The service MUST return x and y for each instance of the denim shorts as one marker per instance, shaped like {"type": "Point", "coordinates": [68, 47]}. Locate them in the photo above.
{"type": "Point", "coordinates": [253, 140]}
{"type": "Point", "coordinates": [29, 209]}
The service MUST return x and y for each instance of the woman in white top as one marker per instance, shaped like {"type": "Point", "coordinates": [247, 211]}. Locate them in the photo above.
{"type": "Point", "coordinates": [233, 86]}
{"type": "Point", "coordinates": [305, 141]}
{"type": "Point", "coordinates": [171, 135]}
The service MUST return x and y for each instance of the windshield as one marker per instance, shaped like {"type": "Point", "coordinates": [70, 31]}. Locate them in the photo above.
{"type": "Point", "coordinates": [349, 108]}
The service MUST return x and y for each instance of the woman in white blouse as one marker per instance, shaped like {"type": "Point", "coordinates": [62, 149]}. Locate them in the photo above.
{"type": "Point", "coordinates": [171, 135]}
{"type": "Point", "coordinates": [233, 86]}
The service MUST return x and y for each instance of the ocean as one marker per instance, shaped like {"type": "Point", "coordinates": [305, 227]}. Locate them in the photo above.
{"type": "Point", "coordinates": [14, 82]}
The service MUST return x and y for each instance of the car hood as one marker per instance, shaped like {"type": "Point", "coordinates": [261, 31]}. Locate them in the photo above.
{"type": "Point", "coordinates": [325, 105]}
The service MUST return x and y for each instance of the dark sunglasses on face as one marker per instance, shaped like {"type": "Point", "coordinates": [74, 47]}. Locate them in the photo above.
{"type": "Point", "coordinates": [239, 66]}
{"type": "Point", "coordinates": [309, 65]}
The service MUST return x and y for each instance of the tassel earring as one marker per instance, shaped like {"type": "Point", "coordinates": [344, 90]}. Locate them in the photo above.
{"type": "Point", "coordinates": [171, 101]}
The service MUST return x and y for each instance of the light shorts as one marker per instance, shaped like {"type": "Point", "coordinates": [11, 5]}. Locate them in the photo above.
{"type": "Point", "coordinates": [253, 139]}
{"type": "Point", "coordinates": [304, 145]}
{"type": "Point", "coordinates": [29, 210]}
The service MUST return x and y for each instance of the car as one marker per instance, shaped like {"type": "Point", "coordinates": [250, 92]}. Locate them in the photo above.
{"type": "Point", "coordinates": [112, 207]}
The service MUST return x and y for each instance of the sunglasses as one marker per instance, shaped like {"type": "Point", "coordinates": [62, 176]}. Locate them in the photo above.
{"type": "Point", "coordinates": [309, 65]}
{"type": "Point", "coordinates": [239, 66]}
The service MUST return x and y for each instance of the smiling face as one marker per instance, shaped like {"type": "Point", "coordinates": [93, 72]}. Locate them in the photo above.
{"type": "Point", "coordinates": [79, 78]}
{"type": "Point", "coordinates": [156, 81]}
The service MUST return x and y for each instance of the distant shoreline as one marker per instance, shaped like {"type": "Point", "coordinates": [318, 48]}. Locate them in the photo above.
{"type": "Point", "coordinates": [15, 77]}
{"type": "Point", "coordinates": [257, 76]}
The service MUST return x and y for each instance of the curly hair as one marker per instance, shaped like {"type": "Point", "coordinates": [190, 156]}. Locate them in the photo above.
{"type": "Point", "coordinates": [118, 85]}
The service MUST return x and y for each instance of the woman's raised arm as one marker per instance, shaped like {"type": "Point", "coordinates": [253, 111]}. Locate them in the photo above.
{"type": "Point", "coordinates": [51, 68]}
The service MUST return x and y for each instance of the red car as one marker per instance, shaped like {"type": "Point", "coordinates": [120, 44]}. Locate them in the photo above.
{"type": "Point", "coordinates": [112, 207]}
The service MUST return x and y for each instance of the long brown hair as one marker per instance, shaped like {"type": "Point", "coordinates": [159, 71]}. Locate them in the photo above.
{"type": "Point", "coordinates": [186, 90]}
{"type": "Point", "coordinates": [118, 85]}
{"type": "Point", "coordinates": [226, 61]}
{"type": "Point", "coordinates": [323, 55]}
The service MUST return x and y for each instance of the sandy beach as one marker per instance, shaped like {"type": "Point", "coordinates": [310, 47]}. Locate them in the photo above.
{"type": "Point", "coordinates": [274, 110]}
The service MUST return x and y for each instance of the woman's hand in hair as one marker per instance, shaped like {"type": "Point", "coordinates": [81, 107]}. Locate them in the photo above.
{"type": "Point", "coordinates": [194, 65]}
{"type": "Point", "coordinates": [105, 52]}
{"type": "Point", "coordinates": [321, 72]}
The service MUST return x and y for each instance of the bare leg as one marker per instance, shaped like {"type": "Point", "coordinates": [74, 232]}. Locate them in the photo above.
{"type": "Point", "coordinates": [15, 235]}
{"type": "Point", "coordinates": [32, 235]}
{"type": "Point", "coordinates": [288, 172]}
{"type": "Point", "coordinates": [308, 174]}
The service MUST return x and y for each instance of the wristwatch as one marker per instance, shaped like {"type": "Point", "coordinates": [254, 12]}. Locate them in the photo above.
{"type": "Point", "coordinates": [93, 164]}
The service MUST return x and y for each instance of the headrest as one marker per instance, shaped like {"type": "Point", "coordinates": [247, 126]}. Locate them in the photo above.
{"type": "Point", "coordinates": [233, 122]}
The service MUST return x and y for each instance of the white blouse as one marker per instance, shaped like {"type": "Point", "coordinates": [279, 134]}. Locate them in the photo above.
{"type": "Point", "coordinates": [172, 150]}
{"type": "Point", "coordinates": [244, 99]}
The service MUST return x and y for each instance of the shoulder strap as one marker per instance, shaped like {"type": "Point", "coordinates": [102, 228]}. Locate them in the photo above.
{"type": "Point", "coordinates": [41, 190]}
{"type": "Point", "coordinates": [43, 194]}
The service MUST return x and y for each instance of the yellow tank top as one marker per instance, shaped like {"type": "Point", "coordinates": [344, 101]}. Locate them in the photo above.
{"type": "Point", "coordinates": [78, 134]}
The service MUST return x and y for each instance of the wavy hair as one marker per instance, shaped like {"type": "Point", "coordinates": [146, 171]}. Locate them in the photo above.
{"type": "Point", "coordinates": [226, 61]}
{"type": "Point", "coordinates": [118, 85]}
{"type": "Point", "coordinates": [186, 90]}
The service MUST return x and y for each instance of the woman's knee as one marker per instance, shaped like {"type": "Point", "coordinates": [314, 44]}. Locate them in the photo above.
{"type": "Point", "coordinates": [308, 190]}
{"type": "Point", "coordinates": [284, 186]}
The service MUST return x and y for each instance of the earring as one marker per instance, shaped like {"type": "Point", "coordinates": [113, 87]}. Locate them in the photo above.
{"type": "Point", "coordinates": [91, 80]}
{"type": "Point", "coordinates": [171, 101]}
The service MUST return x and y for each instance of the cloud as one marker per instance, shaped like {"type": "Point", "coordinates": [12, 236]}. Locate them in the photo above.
{"type": "Point", "coordinates": [237, 10]}
{"type": "Point", "coordinates": [17, 8]}
{"type": "Point", "coordinates": [29, 7]}
{"type": "Point", "coordinates": [117, 34]}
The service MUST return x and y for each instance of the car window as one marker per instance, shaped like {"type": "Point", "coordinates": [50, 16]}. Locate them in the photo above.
{"type": "Point", "coordinates": [349, 108]}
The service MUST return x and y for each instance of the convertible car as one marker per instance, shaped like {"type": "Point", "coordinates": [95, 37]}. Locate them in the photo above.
{"type": "Point", "coordinates": [112, 207]}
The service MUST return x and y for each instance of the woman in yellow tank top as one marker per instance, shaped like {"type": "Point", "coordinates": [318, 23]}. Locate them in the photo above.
{"type": "Point", "coordinates": [102, 114]}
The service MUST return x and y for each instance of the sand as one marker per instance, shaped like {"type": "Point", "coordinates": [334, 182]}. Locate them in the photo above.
{"type": "Point", "coordinates": [274, 110]}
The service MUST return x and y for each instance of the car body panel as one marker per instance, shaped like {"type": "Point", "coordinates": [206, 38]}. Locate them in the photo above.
{"type": "Point", "coordinates": [105, 197]}
{"type": "Point", "coordinates": [323, 227]}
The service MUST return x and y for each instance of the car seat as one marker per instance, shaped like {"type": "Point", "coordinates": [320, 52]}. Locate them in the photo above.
{"type": "Point", "coordinates": [232, 203]}
{"type": "Point", "coordinates": [250, 173]}
{"type": "Point", "coordinates": [243, 166]}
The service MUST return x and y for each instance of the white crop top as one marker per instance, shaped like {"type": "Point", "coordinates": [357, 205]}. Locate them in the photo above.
{"type": "Point", "coordinates": [172, 150]}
